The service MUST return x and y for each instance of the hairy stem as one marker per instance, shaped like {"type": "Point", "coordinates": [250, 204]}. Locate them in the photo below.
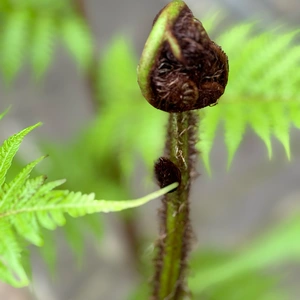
{"type": "Point", "coordinates": [174, 242]}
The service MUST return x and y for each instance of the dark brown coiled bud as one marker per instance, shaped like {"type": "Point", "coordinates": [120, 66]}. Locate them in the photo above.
{"type": "Point", "coordinates": [181, 69]}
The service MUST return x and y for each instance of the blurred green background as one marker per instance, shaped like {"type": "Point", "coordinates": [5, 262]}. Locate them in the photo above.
{"type": "Point", "coordinates": [71, 65]}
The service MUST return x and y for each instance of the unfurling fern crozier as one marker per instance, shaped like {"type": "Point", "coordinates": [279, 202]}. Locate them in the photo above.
{"type": "Point", "coordinates": [181, 69]}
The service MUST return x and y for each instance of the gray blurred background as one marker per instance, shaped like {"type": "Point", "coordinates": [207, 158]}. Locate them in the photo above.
{"type": "Point", "coordinates": [227, 210]}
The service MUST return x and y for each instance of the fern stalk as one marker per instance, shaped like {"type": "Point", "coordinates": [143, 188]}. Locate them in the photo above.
{"type": "Point", "coordinates": [175, 227]}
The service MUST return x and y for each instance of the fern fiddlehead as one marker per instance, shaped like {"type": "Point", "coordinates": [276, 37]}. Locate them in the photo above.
{"type": "Point", "coordinates": [180, 70]}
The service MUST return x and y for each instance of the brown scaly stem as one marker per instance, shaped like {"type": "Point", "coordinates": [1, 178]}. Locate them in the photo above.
{"type": "Point", "coordinates": [180, 70]}
{"type": "Point", "coordinates": [175, 228]}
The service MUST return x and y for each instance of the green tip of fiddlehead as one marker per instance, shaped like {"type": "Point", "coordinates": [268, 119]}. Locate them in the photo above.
{"type": "Point", "coordinates": [180, 68]}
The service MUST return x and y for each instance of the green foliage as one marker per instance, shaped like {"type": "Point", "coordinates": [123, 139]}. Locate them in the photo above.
{"type": "Point", "coordinates": [263, 93]}
{"type": "Point", "coordinates": [102, 157]}
{"type": "Point", "coordinates": [246, 273]}
{"type": "Point", "coordinates": [31, 28]}
{"type": "Point", "coordinates": [111, 142]}
{"type": "Point", "coordinates": [9, 150]}
{"type": "Point", "coordinates": [263, 89]}
{"type": "Point", "coordinates": [126, 119]}
{"type": "Point", "coordinates": [29, 204]}
{"type": "Point", "coordinates": [266, 98]}
{"type": "Point", "coordinates": [78, 40]}
{"type": "Point", "coordinates": [280, 244]}
{"type": "Point", "coordinates": [13, 42]}
{"type": "Point", "coordinates": [42, 44]}
{"type": "Point", "coordinates": [248, 285]}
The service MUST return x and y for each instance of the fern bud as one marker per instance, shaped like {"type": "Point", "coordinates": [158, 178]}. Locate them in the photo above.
{"type": "Point", "coordinates": [181, 69]}
{"type": "Point", "coordinates": [166, 172]}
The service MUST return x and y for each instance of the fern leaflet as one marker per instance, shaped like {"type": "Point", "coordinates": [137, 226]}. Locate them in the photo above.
{"type": "Point", "coordinates": [78, 40]}
{"type": "Point", "coordinates": [263, 89]}
{"type": "Point", "coordinates": [42, 43]}
{"type": "Point", "coordinates": [29, 204]}
{"type": "Point", "coordinates": [13, 42]}
{"type": "Point", "coordinates": [9, 150]}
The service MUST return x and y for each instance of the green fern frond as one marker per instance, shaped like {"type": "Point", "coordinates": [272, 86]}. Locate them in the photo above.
{"type": "Point", "coordinates": [9, 150]}
{"type": "Point", "coordinates": [235, 123]}
{"type": "Point", "coordinates": [78, 40]}
{"type": "Point", "coordinates": [262, 93]}
{"type": "Point", "coordinates": [259, 121]}
{"type": "Point", "coordinates": [42, 43]}
{"type": "Point", "coordinates": [49, 250]}
{"type": "Point", "coordinates": [294, 111]}
{"type": "Point", "coordinates": [46, 209]}
{"type": "Point", "coordinates": [208, 129]}
{"type": "Point", "coordinates": [4, 113]}
{"type": "Point", "coordinates": [279, 245]}
{"type": "Point", "coordinates": [248, 284]}
{"type": "Point", "coordinates": [33, 27]}
{"type": "Point", "coordinates": [263, 89]}
{"type": "Point", "coordinates": [29, 204]}
{"type": "Point", "coordinates": [14, 42]}
{"type": "Point", "coordinates": [11, 270]}
{"type": "Point", "coordinates": [280, 123]}
{"type": "Point", "coordinates": [126, 121]}
{"type": "Point", "coordinates": [13, 188]}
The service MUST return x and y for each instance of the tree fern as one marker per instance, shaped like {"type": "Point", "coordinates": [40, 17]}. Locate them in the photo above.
{"type": "Point", "coordinates": [260, 75]}
{"type": "Point", "coordinates": [29, 204]}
